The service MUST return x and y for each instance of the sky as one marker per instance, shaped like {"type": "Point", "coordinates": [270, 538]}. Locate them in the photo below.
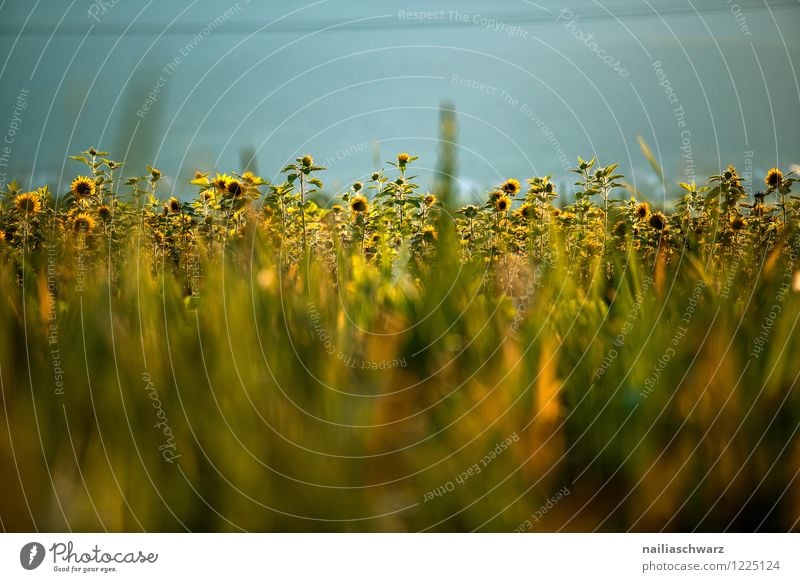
{"type": "Point", "coordinates": [214, 86]}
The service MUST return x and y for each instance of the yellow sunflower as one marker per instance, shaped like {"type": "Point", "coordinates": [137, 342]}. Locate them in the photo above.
{"type": "Point", "coordinates": [359, 204]}
{"type": "Point", "coordinates": [104, 212]}
{"type": "Point", "coordinates": [82, 187]}
{"type": "Point", "coordinates": [220, 181]}
{"type": "Point", "coordinates": [235, 188]}
{"type": "Point", "coordinates": [429, 234]}
{"type": "Point", "coordinates": [83, 223]}
{"type": "Point", "coordinates": [658, 221]}
{"type": "Point", "coordinates": [774, 178]}
{"type": "Point", "coordinates": [502, 204]}
{"type": "Point", "coordinates": [28, 203]}
{"type": "Point", "coordinates": [511, 187]}
{"type": "Point", "coordinates": [738, 222]}
{"type": "Point", "coordinates": [528, 211]}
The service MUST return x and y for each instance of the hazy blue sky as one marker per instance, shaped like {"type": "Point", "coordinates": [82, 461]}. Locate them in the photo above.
{"type": "Point", "coordinates": [353, 82]}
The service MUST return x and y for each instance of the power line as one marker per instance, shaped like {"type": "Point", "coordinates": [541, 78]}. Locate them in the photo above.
{"type": "Point", "coordinates": [393, 22]}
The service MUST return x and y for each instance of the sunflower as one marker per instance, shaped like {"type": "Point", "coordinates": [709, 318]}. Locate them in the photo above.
{"type": "Point", "coordinates": [83, 223]}
{"type": "Point", "coordinates": [731, 175]}
{"type": "Point", "coordinates": [235, 188]}
{"type": "Point", "coordinates": [738, 223]}
{"type": "Point", "coordinates": [220, 182]}
{"type": "Point", "coordinates": [642, 210]}
{"type": "Point", "coordinates": [657, 220]}
{"type": "Point", "coordinates": [104, 212]}
{"type": "Point", "coordinates": [774, 178]}
{"type": "Point", "coordinates": [249, 177]}
{"type": "Point", "coordinates": [28, 203]}
{"type": "Point", "coordinates": [511, 187]}
{"type": "Point", "coordinates": [528, 211]}
{"type": "Point", "coordinates": [359, 204]}
{"type": "Point", "coordinates": [307, 161]}
{"type": "Point", "coordinates": [357, 187]}
{"type": "Point", "coordinates": [82, 187]}
{"type": "Point", "coordinates": [174, 205]}
{"type": "Point", "coordinates": [429, 200]}
{"type": "Point", "coordinates": [429, 234]}
{"type": "Point", "coordinates": [402, 159]}
{"type": "Point", "coordinates": [502, 203]}
{"type": "Point", "coordinates": [336, 208]}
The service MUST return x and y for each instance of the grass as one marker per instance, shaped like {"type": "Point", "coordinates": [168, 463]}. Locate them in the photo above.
{"type": "Point", "coordinates": [254, 358]}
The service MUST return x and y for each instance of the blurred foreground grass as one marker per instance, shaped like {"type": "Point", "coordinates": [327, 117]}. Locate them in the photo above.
{"type": "Point", "coordinates": [248, 408]}
{"type": "Point", "coordinates": [389, 368]}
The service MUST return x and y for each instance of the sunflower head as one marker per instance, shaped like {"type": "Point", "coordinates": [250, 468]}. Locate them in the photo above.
{"type": "Point", "coordinates": [528, 211]}
{"type": "Point", "coordinates": [174, 205]}
{"type": "Point", "coordinates": [657, 220]}
{"type": "Point", "coordinates": [502, 204]}
{"type": "Point", "coordinates": [82, 187]}
{"type": "Point", "coordinates": [28, 203]}
{"type": "Point", "coordinates": [620, 229]}
{"type": "Point", "coordinates": [220, 181]}
{"type": "Point", "coordinates": [738, 223]}
{"type": "Point", "coordinates": [511, 187]}
{"type": "Point", "coordinates": [731, 175]}
{"type": "Point", "coordinates": [336, 208]}
{"type": "Point", "coordinates": [429, 234]}
{"type": "Point", "coordinates": [403, 159]}
{"type": "Point", "coordinates": [249, 177]}
{"type": "Point", "coordinates": [359, 204]}
{"type": "Point", "coordinates": [357, 187]}
{"type": "Point", "coordinates": [774, 178]}
{"type": "Point", "coordinates": [104, 212]}
{"type": "Point", "coordinates": [83, 223]}
{"type": "Point", "coordinates": [307, 161]}
{"type": "Point", "coordinates": [429, 200]}
{"type": "Point", "coordinates": [235, 188]}
{"type": "Point", "coordinates": [642, 210]}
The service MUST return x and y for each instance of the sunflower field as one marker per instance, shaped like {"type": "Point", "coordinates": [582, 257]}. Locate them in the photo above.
{"type": "Point", "coordinates": [238, 354]}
